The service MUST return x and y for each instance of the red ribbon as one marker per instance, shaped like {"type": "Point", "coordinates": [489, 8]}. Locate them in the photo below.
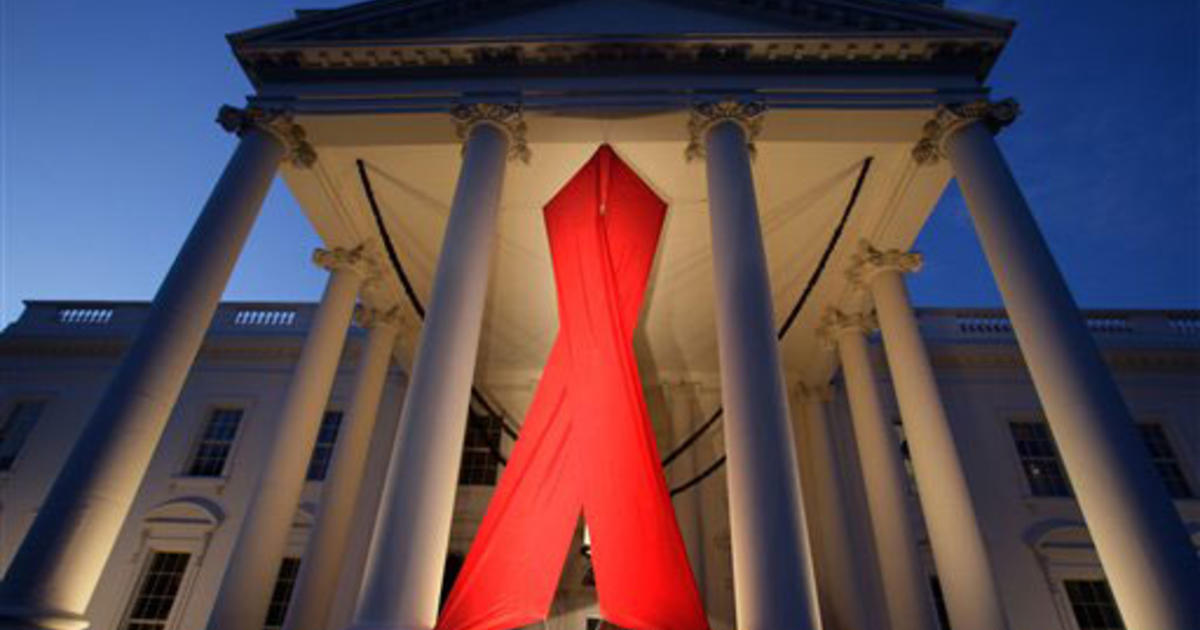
{"type": "Point", "coordinates": [586, 443]}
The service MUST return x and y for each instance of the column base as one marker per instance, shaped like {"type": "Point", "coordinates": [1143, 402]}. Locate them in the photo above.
{"type": "Point", "coordinates": [377, 626]}
{"type": "Point", "coordinates": [21, 618]}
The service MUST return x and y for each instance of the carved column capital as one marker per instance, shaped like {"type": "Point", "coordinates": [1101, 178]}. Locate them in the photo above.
{"type": "Point", "coordinates": [747, 114]}
{"type": "Point", "coordinates": [276, 122]}
{"type": "Point", "coordinates": [822, 393]}
{"type": "Point", "coordinates": [360, 260]}
{"type": "Point", "coordinates": [835, 323]}
{"type": "Point", "coordinates": [869, 262]}
{"type": "Point", "coordinates": [504, 116]}
{"type": "Point", "coordinates": [950, 118]}
{"type": "Point", "coordinates": [369, 316]}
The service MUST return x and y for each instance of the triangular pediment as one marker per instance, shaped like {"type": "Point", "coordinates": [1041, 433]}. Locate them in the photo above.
{"type": "Point", "coordinates": [385, 20]}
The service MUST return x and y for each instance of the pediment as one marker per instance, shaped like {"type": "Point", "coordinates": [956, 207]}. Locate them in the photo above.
{"type": "Point", "coordinates": [386, 20]}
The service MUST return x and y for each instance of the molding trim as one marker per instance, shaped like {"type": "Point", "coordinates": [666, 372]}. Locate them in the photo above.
{"type": "Point", "coordinates": [276, 122]}
{"type": "Point", "coordinates": [747, 114]}
{"type": "Point", "coordinates": [506, 117]}
{"type": "Point", "coordinates": [948, 119]}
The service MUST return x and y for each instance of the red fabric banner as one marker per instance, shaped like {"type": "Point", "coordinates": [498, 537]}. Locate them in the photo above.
{"type": "Point", "coordinates": [586, 443]}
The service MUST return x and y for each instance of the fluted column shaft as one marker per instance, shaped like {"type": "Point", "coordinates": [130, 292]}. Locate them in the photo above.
{"type": "Point", "coordinates": [245, 592]}
{"type": "Point", "coordinates": [773, 581]}
{"type": "Point", "coordinates": [840, 577]}
{"type": "Point", "coordinates": [1142, 543]}
{"type": "Point", "coordinates": [412, 531]}
{"type": "Point", "coordinates": [56, 568]}
{"type": "Point", "coordinates": [959, 548]}
{"type": "Point", "coordinates": [316, 585]}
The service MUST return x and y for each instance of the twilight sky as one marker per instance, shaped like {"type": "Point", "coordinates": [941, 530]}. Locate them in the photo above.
{"type": "Point", "coordinates": [108, 151]}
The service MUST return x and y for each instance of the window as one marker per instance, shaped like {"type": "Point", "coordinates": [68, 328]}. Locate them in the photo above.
{"type": "Point", "coordinates": [939, 603]}
{"type": "Point", "coordinates": [1039, 459]}
{"type": "Point", "coordinates": [1093, 605]}
{"type": "Point", "coordinates": [479, 463]}
{"type": "Point", "coordinates": [15, 428]}
{"type": "Point", "coordinates": [208, 459]}
{"type": "Point", "coordinates": [151, 607]}
{"type": "Point", "coordinates": [322, 453]}
{"type": "Point", "coordinates": [281, 596]}
{"type": "Point", "coordinates": [1165, 462]}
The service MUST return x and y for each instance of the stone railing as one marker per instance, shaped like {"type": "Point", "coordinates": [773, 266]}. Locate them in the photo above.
{"type": "Point", "coordinates": [124, 318]}
{"type": "Point", "coordinates": [967, 324]}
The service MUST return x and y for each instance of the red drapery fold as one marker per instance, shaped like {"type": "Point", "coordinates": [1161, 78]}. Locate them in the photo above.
{"type": "Point", "coordinates": [586, 443]}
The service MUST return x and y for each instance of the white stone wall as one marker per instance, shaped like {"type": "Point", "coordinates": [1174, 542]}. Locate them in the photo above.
{"type": "Point", "coordinates": [1034, 542]}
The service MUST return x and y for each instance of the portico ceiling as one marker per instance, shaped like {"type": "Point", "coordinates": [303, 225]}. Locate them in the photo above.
{"type": "Point", "coordinates": [846, 83]}
{"type": "Point", "coordinates": [807, 165]}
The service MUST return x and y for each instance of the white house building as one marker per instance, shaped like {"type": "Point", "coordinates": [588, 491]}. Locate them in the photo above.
{"type": "Point", "coordinates": [799, 147]}
{"type": "Point", "coordinates": [55, 360]}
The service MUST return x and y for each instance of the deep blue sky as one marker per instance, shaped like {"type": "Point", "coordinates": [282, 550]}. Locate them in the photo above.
{"type": "Point", "coordinates": [108, 151]}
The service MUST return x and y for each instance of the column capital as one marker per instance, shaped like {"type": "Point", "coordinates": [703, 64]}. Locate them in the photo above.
{"type": "Point", "coordinates": [835, 323]}
{"type": "Point", "coordinates": [392, 316]}
{"type": "Point", "coordinates": [747, 114]}
{"type": "Point", "coordinates": [278, 123]}
{"type": "Point", "coordinates": [950, 118]}
{"type": "Point", "coordinates": [805, 391]}
{"type": "Point", "coordinates": [361, 260]}
{"type": "Point", "coordinates": [507, 117]}
{"type": "Point", "coordinates": [869, 262]}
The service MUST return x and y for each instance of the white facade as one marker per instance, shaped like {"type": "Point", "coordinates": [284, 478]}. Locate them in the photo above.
{"type": "Point", "coordinates": [62, 353]}
{"type": "Point", "coordinates": [799, 146]}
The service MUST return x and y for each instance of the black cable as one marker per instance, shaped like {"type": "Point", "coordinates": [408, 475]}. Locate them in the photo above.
{"type": "Point", "coordinates": [704, 474]}
{"type": "Point", "coordinates": [787, 324]}
{"type": "Point", "coordinates": [415, 302]}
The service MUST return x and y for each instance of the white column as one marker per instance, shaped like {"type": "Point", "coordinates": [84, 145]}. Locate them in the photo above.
{"type": "Point", "coordinates": [55, 570]}
{"type": "Point", "coordinates": [840, 578]}
{"type": "Point", "coordinates": [1140, 538]}
{"type": "Point", "coordinates": [245, 592]}
{"type": "Point", "coordinates": [322, 565]}
{"type": "Point", "coordinates": [408, 550]}
{"type": "Point", "coordinates": [959, 549]}
{"type": "Point", "coordinates": [905, 584]}
{"type": "Point", "coordinates": [773, 581]}
{"type": "Point", "coordinates": [683, 402]}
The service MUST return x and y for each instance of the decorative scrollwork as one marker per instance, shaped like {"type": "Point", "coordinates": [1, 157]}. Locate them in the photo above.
{"type": "Point", "coordinates": [747, 114]}
{"type": "Point", "coordinates": [276, 122]}
{"type": "Point", "coordinates": [870, 261]}
{"type": "Point", "coordinates": [361, 260]}
{"type": "Point", "coordinates": [505, 116]}
{"type": "Point", "coordinates": [950, 118]}
{"type": "Point", "coordinates": [835, 322]}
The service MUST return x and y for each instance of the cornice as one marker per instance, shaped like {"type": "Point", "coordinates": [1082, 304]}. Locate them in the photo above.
{"type": "Point", "coordinates": [688, 54]}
